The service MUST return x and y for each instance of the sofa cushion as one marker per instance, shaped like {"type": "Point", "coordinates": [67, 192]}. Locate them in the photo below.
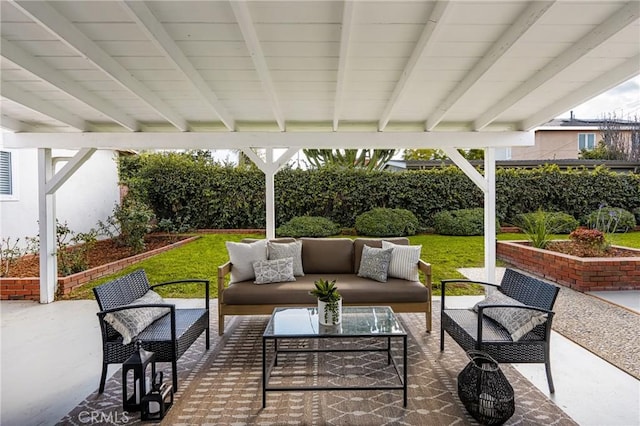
{"type": "Point", "coordinates": [242, 256]}
{"type": "Point", "coordinates": [273, 271]}
{"type": "Point", "coordinates": [375, 263]}
{"type": "Point", "coordinates": [130, 322]}
{"type": "Point", "coordinates": [352, 288]}
{"type": "Point", "coordinates": [518, 322]}
{"type": "Point", "coordinates": [327, 255]}
{"type": "Point", "coordinates": [358, 243]}
{"type": "Point", "coordinates": [404, 261]}
{"type": "Point", "coordinates": [282, 250]}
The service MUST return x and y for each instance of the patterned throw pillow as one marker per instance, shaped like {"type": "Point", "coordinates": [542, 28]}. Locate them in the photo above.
{"type": "Point", "coordinates": [404, 261]}
{"type": "Point", "coordinates": [129, 323]}
{"type": "Point", "coordinates": [375, 263]}
{"type": "Point", "coordinates": [518, 322]}
{"type": "Point", "coordinates": [284, 250]}
{"type": "Point", "coordinates": [274, 271]}
{"type": "Point", "coordinates": [242, 256]}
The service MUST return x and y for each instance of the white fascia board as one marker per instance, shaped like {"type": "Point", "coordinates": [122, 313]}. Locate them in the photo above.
{"type": "Point", "coordinates": [239, 140]}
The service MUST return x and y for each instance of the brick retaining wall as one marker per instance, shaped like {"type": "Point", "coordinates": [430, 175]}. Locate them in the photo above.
{"type": "Point", "coordinates": [582, 274]}
{"type": "Point", "coordinates": [29, 288]}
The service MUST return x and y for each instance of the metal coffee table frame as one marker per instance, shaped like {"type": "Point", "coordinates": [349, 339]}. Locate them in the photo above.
{"type": "Point", "coordinates": [357, 322]}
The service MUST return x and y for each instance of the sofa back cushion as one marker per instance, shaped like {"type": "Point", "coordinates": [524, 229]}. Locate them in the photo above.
{"type": "Point", "coordinates": [327, 255]}
{"type": "Point", "coordinates": [358, 243]}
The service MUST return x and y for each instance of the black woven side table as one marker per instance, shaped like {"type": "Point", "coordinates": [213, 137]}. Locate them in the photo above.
{"type": "Point", "coordinates": [485, 391]}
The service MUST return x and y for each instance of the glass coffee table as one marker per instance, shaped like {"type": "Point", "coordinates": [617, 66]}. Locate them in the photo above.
{"type": "Point", "coordinates": [297, 330]}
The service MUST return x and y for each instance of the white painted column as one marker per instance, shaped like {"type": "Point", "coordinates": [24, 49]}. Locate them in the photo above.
{"type": "Point", "coordinates": [47, 228]}
{"type": "Point", "coordinates": [270, 167]}
{"type": "Point", "coordinates": [490, 214]}
{"type": "Point", "coordinates": [270, 203]}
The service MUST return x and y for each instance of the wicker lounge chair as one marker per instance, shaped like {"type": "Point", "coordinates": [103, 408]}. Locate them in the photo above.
{"type": "Point", "coordinates": [168, 337]}
{"type": "Point", "coordinates": [474, 330]}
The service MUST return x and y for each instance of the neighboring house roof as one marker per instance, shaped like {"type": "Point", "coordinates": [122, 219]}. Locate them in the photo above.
{"type": "Point", "coordinates": [573, 123]}
{"type": "Point", "coordinates": [616, 166]}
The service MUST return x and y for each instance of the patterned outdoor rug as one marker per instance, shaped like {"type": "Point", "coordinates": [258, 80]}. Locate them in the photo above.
{"type": "Point", "coordinates": [224, 387]}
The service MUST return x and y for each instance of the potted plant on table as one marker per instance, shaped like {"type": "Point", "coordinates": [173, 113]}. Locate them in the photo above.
{"type": "Point", "coordinates": [329, 302]}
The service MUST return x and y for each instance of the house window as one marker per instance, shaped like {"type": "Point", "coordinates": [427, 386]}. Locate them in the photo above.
{"type": "Point", "coordinates": [586, 141]}
{"type": "Point", "coordinates": [8, 176]}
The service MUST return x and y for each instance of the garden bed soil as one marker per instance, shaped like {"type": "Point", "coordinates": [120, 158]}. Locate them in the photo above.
{"type": "Point", "coordinates": [104, 252]}
{"type": "Point", "coordinates": [574, 249]}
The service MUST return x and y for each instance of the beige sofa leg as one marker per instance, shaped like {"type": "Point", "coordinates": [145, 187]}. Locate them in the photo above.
{"type": "Point", "coordinates": [220, 324]}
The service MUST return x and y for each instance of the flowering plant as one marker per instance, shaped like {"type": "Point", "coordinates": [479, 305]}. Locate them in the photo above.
{"type": "Point", "coordinates": [592, 239]}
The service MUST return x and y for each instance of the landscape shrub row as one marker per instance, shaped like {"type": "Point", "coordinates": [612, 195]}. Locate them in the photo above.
{"type": "Point", "coordinates": [184, 190]}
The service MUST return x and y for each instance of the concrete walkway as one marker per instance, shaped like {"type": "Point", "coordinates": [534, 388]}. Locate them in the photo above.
{"type": "Point", "coordinates": [51, 360]}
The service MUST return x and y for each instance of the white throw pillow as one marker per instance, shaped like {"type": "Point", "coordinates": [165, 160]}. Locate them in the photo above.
{"type": "Point", "coordinates": [404, 261]}
{"type": "Point", "coordinates": [129, 323]}
{"type": "Point", "coordinates": [274, 271]}
{"type": "Point", "coordinates": [518, 322]}
{"type": "Point", "coordinates": [283, 250]}
{"type": "Point", "coordinates": [242, 256]}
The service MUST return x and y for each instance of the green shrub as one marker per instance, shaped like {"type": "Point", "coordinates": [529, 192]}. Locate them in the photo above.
{"type": "Point", "coordinates": [308, 226]}
{"type": "Point", "coordinates": [459, 222]}
{"type": "Point", "coordinates": [385, 222]}
{"type": "Point", "coordinates": [611, 219]}
{"type": "Point", "coordinates": [129, 223]}
{"type": "Point", "coordinates": [636, 214]}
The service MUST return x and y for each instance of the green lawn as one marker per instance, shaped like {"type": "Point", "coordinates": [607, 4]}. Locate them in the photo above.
{"type": "Point", "coordinates": [201, 258]}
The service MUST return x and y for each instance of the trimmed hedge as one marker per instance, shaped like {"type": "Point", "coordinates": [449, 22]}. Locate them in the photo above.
{"type": "Point", "coordinates": [203, 195]}
{"type": "Point", "coordinates": [308, 226]}
{"type": "Point", "coordinates": [382, 222]}
{"type": "Point", "coordinates": [459, 222]}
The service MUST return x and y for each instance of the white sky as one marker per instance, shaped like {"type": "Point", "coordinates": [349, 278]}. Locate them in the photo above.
{"type": "Point", "coordinates": [622, 100]}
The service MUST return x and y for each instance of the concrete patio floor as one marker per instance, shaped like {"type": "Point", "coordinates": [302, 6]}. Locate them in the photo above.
{"type": "Point", "coordinates": [51, 360]}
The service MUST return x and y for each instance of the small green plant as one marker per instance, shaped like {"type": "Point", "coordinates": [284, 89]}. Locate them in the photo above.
{"type": "Point", "coordinates": [72, 248]}
{"type": "Point", "coordinates": [459, 222]}
{"type": "Point", "coordinates": [308, 226]}
{"type": "Point", "coordinates": [540, 225]}
{"type": "Point", "coordinates": [326, 291]}
{"type": "Point", "coordinates": [385, 222]}
{"type": "Point", "coordinates": [129, 223]}
{"type": "Point", "coordinates": [611, 219]}
{"type": "Point", "coordinates": [10, 252]}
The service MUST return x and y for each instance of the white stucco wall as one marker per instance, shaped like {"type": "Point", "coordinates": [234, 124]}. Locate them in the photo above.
{"type": "Point", "coordinates": [87, 197]}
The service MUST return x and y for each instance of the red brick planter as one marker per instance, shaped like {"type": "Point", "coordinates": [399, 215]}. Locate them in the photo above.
{"type": "Point", "coordinates": [579, 273]}
{"type": "Point", "coordinates": [29, 288]}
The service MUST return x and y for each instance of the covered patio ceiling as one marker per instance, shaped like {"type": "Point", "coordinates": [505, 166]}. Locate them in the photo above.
{"type": "Point", "coordinates": [313, 66]}
{"type": "Point", "coordinates": [293, 74]}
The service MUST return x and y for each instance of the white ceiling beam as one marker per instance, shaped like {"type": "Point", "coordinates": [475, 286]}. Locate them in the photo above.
{"type": "Point", "coordinates": [298, 140]}
{"type": "Point", "coordinates": [148, 22]}
{"type": "Point", "coordinates": [243, 16]}
{"type": "Point", "coordinates": [51, 20]}
{"type": "Point", "coordinates": [44, 71]}
{"type": "Point", "coordinates": [34, 103]}
{"type": "Point", "coordinates": [421, 48]}
{"type": "Point", "coordinates": [13, 125]}
{"type": "Point", "coordinates": [525, 21]}
{"type": "Point", "coordinates": [345, 42]}
{"type": "Point", "coordinates": [625, 16]}
{"type": "Point", "coordinates": [608, 80]}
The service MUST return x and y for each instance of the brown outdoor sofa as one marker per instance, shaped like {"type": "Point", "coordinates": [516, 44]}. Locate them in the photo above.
{"type": "Point", "coordinates": [326, 258]}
